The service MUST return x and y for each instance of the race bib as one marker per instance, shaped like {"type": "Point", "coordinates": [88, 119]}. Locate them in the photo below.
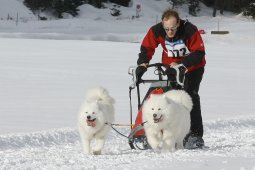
{"type": "Point", "coordinates": [176, 48]}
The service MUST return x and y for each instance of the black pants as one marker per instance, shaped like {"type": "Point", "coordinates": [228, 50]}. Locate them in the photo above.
{"type": "Point", "coordinates": [191, 85]}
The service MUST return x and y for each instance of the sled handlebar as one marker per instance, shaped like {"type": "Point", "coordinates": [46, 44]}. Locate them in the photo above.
{"type": "Point", "coordinates": [158, 71]}
{"type": "Point", "coordinates": [158, 65]}
{"type": "Point", "coordinates": [161, 72]}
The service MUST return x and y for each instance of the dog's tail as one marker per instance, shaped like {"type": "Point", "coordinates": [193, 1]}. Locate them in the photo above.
{"type": "Point", "coordinates": [100, 95]}
{"type": "Point", "coordinates": [180, 96]}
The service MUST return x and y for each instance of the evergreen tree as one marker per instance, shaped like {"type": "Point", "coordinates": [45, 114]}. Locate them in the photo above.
{"type": "Point", "coordinates": [209, 3]}
{"type": "Point", "coordinates": [96, 3]}
{"type": "Point", "coordinates": [218, 4]}
{"type": "Point", "coordinates": [193, 7]}
{"type": "Point", "coordinates": [175, 3]}
{"type": "Point", "coordinates": [70, 7]}
{"type": "Point", "coordinates": [249, 9]}
{"type": "Point", "coordinates": [58, 8]}
{"type": "Point", "coordinates": [121, 2]}
{"type": "Point", "coordinates": [38, 5]}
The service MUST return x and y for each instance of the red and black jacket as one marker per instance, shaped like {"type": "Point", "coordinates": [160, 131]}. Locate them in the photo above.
{"type": "Point", "coordinates": [185, 47]}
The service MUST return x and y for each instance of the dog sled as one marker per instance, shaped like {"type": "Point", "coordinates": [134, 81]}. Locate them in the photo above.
{"type": "Point", "coordinates": [158, 85]}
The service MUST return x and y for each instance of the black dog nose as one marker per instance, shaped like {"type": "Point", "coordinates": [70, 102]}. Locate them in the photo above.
{"type": "Point", "coordinates": [154, 115]}
{"type": "Point", "coordinates": [88, 117]}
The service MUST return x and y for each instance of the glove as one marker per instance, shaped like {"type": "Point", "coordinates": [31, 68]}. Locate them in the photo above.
{"type": "Point", "coordinates": [140, 70]}
{"type": "Point", "coordinates": [171, 74]}
{"type": "Point", "coordinates": [182, 70]}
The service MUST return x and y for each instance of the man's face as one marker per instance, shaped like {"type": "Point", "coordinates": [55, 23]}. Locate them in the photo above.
{"type": "Point", "coordinates": [170, 25]}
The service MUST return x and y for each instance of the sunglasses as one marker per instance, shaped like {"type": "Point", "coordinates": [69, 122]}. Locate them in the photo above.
{"type": "Point", "coordinates": [171, 29]}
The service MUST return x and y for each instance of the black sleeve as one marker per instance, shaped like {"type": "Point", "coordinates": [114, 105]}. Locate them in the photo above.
{"type": "Point", "coordinates": [150, 43]}
{"type": "Point", "coordinates": [193, 58]}
{"type": "Point", "coordinates": [142, 57]}
{"type": "Point", "coordinates": [195, 45]}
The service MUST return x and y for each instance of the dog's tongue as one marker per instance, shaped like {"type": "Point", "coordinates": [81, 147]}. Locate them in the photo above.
{"type": "Point", "coordinates": [91, 123]}
{"type": "Point", "coordinates": [158, 120]}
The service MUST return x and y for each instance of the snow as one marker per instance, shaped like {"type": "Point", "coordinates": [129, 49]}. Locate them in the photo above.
{"type": "Point", "coordinates": [47, 66]}
{"type": "Point", "coordinates": [231, 142]}
{"type": "Point", "coordinates": [14, 8]}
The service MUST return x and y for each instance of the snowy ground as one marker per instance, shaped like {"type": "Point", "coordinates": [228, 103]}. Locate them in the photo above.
{"type": "Point", "coordinates": [231, 146]}
{"type": "Point", "coordinates": [46, 67]}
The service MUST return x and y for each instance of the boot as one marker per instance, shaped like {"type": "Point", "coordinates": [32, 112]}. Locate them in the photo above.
{"type": "Point", "coordinates": [193, 141]}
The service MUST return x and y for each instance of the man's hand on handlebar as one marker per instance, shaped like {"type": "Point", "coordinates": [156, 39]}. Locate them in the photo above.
{"type": "Point", "coordinates": [140, 70]}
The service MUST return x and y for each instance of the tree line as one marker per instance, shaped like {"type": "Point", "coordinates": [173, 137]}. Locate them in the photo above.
{"type": "Point", "coordinates": [247, 7]}
{"type": "Point", "coordinates": [59, 7]}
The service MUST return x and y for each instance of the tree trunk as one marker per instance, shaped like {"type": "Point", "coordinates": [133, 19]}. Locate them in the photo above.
{"type": "Point", "coordinates": [218, 4]}
{"type": "Point", "coordinates": [215, 8]}
{"type": "Point", "coordinates": [222, 4]}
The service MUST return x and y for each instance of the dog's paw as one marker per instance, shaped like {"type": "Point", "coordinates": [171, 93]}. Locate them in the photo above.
{"type": "Point", "coordinates": [169, 148]}
{"type": "Point", "coordinates": [173, 149]}
{"type": "Point", "coordinates": [97, 152]}
{"type": "Point", "coordinates": [157, 150]}
{"type": "Point", "coordinates": [153, 143]}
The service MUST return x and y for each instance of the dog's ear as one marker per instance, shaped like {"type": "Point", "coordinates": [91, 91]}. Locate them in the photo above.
{"type": "Point", "coordinates": [151, 96]}
{"type": "Point", "coordinates": [167, 99]}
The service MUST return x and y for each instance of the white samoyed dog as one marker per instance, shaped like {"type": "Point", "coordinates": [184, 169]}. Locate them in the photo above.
{"type": "Point", "coordinates": [97, 110]}
{"type": "Point", "coordinates": [168, 119]}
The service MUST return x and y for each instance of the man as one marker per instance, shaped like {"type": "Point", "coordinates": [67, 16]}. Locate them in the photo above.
{"type": "Point", "coordinates": [183, 47]}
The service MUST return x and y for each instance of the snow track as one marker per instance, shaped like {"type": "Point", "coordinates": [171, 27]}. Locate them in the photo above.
{"type": "Point", "coordinates": [229, 141]}
{"type": "Point", "coordinates": [40, 139]}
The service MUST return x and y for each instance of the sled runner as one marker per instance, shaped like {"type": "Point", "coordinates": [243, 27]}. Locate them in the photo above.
{"type": "Point", "coordinates": [137, 138]}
